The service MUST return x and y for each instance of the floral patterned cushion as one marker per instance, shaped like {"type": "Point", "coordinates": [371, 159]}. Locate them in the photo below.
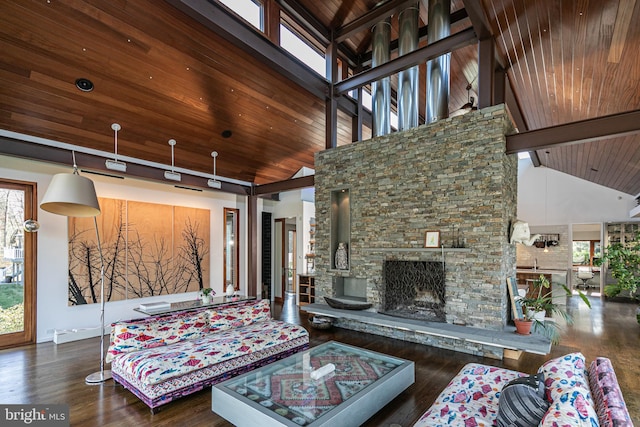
{"type": "Point", "coordinates": [567, 388]}
{"type": "Point", "coordinates": [154, 365]}
{"type": "Point", "coordinates": [564, 373]}
{"type": "Point", "coordinates": [134, 335]}
{"type": "Point", "coordinates": [470, 399]}
{"type": "Point", "coordinates": [610, 405]}
{"type": "Point", "coordinates": [236, 316]}
{"type": "Point", "coordinates": [572, 409]}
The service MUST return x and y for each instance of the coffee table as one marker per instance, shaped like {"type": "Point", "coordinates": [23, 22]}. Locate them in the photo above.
{"type": "Point", "coordinates": [285, 392]}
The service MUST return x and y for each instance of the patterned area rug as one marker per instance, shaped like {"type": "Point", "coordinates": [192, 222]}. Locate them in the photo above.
{"type": "Point", "coordinates": [290, 392]}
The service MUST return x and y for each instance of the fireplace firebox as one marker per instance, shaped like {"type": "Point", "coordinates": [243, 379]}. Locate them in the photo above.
{"type": "Point", "coordinates": [414, 290]}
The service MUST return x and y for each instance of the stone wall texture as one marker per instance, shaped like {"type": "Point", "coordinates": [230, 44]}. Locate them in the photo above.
{"type": "Point", "coordinates": [451, 176]}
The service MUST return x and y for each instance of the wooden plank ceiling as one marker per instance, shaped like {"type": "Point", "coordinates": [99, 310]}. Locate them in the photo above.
{"type": "Point", "coordinates": [162, 74]}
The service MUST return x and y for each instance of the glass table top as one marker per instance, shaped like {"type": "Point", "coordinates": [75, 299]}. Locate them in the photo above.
{"type": "Point", "coordinates": [288, 388]}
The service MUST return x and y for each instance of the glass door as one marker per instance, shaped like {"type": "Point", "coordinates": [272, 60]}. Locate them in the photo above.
{"type": "Point", "coordinates": [17, 264]}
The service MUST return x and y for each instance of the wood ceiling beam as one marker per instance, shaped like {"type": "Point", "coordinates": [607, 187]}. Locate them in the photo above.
{"type": "Point", "coordinates": [514, 107]}
{"type": "Point", "coordinates": [576, 132]}
{"type": "Point", "coordinates": [287, 185]}
{"type": "Point", "coordinates": [419, 56]}
{"type": "Point", "coordinates": [478, 19]}
{"type": "Point", "coordinates": [486, 53]}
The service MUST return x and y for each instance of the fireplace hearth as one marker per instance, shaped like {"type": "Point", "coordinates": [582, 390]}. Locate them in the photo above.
{"type": "Point", "coordinates": [414, 290]}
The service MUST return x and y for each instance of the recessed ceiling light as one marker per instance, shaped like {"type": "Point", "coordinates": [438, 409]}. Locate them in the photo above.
{"type": "Point", "coordinates": [84, 85]}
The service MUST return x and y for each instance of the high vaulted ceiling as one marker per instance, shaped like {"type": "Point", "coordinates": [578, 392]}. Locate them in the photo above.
{"type": "Point", "coordinates": [190, 70]}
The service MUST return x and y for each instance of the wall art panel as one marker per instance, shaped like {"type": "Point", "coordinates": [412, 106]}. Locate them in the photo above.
{"type": "Point", "coordinates": [148, 248]}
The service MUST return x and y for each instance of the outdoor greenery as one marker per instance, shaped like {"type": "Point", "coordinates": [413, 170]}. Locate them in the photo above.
{"type": "Point", "coordinates": [11, 308]}
{"type": "Point", "coordinates": [623, 260]}
{"type": "Point", "coordinates": [10, 295]}
{"type": "Point", "coordinates": [12, 319]}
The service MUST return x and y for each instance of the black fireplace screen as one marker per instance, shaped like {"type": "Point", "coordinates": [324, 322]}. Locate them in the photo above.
{"type": "Point", "coordinates": [414, 290]}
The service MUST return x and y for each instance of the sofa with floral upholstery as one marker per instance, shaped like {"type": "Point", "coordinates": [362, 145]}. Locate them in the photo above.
{"type": "Point", "coordinates": [162, 358]}
{"type": "Point", "coordinates": [571, 394]}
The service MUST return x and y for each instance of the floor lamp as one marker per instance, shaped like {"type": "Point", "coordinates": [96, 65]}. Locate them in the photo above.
{"type": "Point", "coordinates": [70, 194]}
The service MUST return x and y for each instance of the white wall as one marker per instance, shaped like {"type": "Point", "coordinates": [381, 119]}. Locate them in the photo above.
{"type": "Point", "coordinates": [52, 257]}
{"type": "Point", "coordinates": [549, 197]}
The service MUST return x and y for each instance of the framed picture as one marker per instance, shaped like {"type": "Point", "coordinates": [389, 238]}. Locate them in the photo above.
{"type": "Point", "coordinates": [432, 239]}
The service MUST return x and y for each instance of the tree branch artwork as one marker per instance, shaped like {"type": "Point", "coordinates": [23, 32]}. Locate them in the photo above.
{"type": "Point", "coordinates": [144, 253]}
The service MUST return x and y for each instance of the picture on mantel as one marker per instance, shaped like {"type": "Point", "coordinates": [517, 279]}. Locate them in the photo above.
{"type": "Point", "coordinates": [148, 249]}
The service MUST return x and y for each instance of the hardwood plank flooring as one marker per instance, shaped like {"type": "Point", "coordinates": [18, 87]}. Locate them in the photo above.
{"type": "Point", "coordinates": [47, 373]}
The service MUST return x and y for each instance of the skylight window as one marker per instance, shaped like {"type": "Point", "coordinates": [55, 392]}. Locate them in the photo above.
{"type": "Point", "coordinates": [249, 10]}
{"type": "Point", "coordinates": [523, 155]}
{"type": "Point", "coordinates": [301, 50]}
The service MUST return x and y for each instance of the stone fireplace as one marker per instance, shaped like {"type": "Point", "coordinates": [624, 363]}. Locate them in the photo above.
{"type": "Point", "coordinates": [380, 196]}
{"type": "Point", "coordinates": [413, 290]}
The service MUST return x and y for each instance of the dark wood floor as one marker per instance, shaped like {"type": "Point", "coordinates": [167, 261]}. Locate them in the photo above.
{"type": "Point", "coordinates": [48, 373]}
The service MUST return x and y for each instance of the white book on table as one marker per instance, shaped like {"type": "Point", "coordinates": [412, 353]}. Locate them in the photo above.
{"type": "Point", "coordinates": [160, 305]}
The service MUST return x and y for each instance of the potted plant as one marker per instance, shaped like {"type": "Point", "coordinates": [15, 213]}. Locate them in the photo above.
{"type": "Point", "coordinates": [538, 303]}
{"type": "Point", "coordinates": [624, 262]}
{"type": "Point", "coordinates": [206, 294]}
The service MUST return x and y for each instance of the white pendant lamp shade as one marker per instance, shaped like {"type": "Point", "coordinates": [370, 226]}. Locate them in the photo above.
{"type": "Point", "coordinates": [71, 195]}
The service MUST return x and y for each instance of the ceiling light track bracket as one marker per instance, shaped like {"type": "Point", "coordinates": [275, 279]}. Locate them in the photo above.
{"type": "Point", "coordinates": [114, 164]}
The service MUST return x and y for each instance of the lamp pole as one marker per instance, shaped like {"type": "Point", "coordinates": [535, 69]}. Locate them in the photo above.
{"type": "Point", "coordinates": [102, 375]}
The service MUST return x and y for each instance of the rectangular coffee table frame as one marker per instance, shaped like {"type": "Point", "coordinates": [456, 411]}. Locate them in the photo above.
{"type": "Point", "coordinates": [242, 411]}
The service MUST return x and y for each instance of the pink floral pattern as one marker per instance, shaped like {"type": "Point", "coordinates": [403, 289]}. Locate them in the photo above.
{"type": "Point", "coordinates": [165, 357]}
{"type": "Point", "coordinates": [567, 388]}
{"type": "Point", "coordinates": [470, 399]}
{"type": "Point", "coordinates": [221, 320]}
{"type": "Point", "coordinates": [155, 365]}
{"type": "Point", "coordinates": [140, 334]}
{"type": "Point", "coordinates": [564, 373]}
